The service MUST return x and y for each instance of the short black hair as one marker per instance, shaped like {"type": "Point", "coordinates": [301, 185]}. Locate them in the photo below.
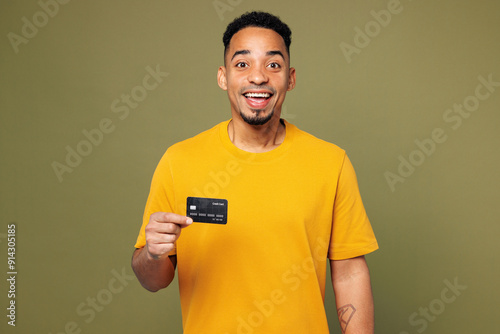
{"type": "Point", "coordinates": [260, 20]}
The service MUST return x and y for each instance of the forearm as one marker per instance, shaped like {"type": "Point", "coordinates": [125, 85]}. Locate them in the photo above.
{"type": "Point", "coordinates": [153, 274]}
{"type": "Point", "coordinates": [354, 299]}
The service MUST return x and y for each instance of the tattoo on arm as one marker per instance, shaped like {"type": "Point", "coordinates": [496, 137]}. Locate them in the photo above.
{"type": "Point", "coordinates": [345, 314]}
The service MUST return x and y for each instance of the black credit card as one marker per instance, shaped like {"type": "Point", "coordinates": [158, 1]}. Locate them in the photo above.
{"type": "Point", "coordinates": [207, 210]}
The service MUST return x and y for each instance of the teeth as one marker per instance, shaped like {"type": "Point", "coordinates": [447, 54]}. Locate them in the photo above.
{"type": "Point", "coordinates": [266, 95]}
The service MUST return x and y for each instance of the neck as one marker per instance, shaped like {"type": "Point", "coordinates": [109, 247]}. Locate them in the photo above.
{"type": "Point", "coordinates": [256, 138]}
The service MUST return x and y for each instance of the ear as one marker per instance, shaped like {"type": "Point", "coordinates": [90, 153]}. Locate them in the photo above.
{"type": "Point", "coordinates": [221, 77]}
{"type": "Point", "coordinates": [291, 79]}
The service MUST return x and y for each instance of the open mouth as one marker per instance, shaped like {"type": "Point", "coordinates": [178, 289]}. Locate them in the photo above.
{"type": "Point", "coordinates": [257, 99]}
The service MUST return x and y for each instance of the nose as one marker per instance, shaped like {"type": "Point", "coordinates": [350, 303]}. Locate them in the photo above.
{"type": "Point", "coordinates": [257, 76]}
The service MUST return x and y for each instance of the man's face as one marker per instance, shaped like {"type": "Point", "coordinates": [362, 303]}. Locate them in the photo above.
{"type": "Point", "coordinates": [256, 75]}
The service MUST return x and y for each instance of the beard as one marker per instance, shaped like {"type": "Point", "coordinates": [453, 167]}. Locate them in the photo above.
{"type": "Point", "coordinates": [256, 119]}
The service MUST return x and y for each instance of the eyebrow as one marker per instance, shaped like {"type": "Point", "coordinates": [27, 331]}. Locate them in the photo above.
{"type": "Point", "coordinates": [275, 52]}
{"type": "Point", "coordinates": [268, 53]}
{"type": "Point", "coordinates": [240, 52]}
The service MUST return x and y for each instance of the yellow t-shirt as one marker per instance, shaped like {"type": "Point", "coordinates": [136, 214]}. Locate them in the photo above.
{"type": "Point", "coordinates": [289, 210]}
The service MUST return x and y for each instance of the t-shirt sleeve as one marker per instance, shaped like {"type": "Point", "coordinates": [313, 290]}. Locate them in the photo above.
{"type": "Point", "coordinates": [160, 199]}
{"type": "Point", "coordinates": [352, 234]}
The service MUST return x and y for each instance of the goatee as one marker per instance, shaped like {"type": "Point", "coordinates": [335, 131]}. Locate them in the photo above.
{"type": "Point", "coordinates": [256, 119]}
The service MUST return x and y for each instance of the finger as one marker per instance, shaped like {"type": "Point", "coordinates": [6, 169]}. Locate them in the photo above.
{"type": "Point", "coordinates": [163, 228]}
{"type": "Point", "coordinates": [169, 217]}
{"type": "Point", "coordinates": [165, 238]}
{"type": "Point", "coordinates": [158, 250]}
{"type": "Point", "coordinates": [187, 222]}
{"type": "Point", "coordinates": [179, 220]}
{"type": "Point", "coordinates": [162, 238]}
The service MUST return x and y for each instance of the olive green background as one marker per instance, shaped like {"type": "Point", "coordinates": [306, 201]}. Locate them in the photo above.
{"type": "Point", "coordinates": [74, 235]}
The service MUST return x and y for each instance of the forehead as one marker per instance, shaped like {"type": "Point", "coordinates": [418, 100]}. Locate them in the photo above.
{"type": "Point", "coordinates": [256, 39]}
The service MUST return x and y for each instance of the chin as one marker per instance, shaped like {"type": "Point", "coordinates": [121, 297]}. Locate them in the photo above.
{"type": "Point", "coordinates": [256, 119]}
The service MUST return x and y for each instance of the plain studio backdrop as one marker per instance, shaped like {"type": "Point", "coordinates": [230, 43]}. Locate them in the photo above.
{"type": "Point", "coordinates": [93, 93]}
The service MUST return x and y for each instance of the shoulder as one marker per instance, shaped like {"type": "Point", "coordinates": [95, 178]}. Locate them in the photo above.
{"type": "Point", "coordinates": [314, 145]}
{"type": "Point", "coordinates": [191, 149]}
{"type": "Point", "coordinates": [198, 143]}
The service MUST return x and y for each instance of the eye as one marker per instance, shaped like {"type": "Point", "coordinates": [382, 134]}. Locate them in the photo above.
{"type": "Point", "coordinates": [241, 64]}
{"type": "Point", "coordinates": [274, 65]}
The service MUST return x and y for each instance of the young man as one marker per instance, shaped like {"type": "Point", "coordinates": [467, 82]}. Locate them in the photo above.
{"type": "Point", "coordinates": [292, 203]}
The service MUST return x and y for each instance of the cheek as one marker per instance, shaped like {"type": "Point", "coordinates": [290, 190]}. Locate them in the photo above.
{"type": "Point", "coordinates": [233, 86]}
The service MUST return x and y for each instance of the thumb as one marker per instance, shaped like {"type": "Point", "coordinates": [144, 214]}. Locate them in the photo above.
{"type": "Point", "coordinates": [185, 223]}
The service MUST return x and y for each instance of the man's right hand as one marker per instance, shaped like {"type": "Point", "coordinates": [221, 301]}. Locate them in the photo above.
{"type": "Point", "coordinates": [162, 231]}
